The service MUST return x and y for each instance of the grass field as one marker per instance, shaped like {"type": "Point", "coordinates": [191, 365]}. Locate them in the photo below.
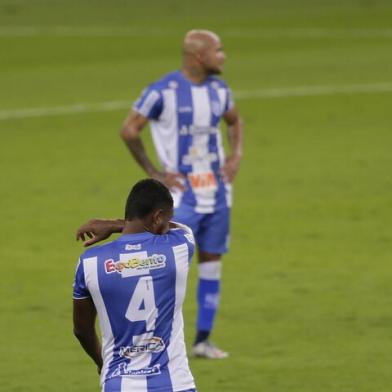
{"type": "Point", "coordinates": [307, 294]}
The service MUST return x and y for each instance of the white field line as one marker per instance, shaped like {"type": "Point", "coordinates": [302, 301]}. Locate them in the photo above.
{"type": "Point", "coordinates": [63, 110]}
{"type": "Point", "coordinates": [299, 91]}
{"type": "Point", "coordinates": [79, 31]}
{"type": "Point", "coordinates": [109, 31]}
{"type": "Point", "coordinates": [312, 33]}
{"type": "Point", "coordinates": [303, 91]}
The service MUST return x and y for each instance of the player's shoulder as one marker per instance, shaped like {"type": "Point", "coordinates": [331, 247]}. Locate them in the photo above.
{"type": "Point", "coordinates": [181, 237]}
{"type": "Point", "coordinates": [97, 250]}
{"type": "Point", "coordinates": [168, 81]}
{"type": "Point", "coordinates": [182, 234]}
{"type": "Point", "coordinates": [216, 82]}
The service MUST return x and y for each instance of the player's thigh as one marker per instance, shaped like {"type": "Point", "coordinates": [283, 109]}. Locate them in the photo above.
{"type": "Point", "coordinates": [214, 232]}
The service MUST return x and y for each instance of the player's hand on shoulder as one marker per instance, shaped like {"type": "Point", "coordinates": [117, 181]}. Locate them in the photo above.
{"type": "Point", "coordinates": [230, 168]}
{"type": "Point", "coordinates": [96, 230]}
{"type": "Point", "coordinates": [187, 231]}
{"type": "Point", "coordinates": [171, 180]}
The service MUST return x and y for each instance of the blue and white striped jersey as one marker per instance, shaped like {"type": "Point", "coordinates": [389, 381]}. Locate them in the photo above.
{"type": "Point", "coordinates": [138, 284]}
{"type": "Point", "coordinates": [184, 119]}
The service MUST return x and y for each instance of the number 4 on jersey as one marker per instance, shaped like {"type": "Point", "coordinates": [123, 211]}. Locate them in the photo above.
{"type": "Point", "coordinates": [142, 305]}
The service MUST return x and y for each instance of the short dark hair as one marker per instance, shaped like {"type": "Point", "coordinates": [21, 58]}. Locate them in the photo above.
{"type": "Point", "coordinates": [146, 196]}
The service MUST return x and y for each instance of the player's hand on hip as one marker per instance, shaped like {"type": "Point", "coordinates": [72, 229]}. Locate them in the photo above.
{"type": "Point", "coordinates": [171, 180]}
{"type": "Point", "coordinates": [94, 231]}
{"type": "Point", "coordinates": [230, 168]}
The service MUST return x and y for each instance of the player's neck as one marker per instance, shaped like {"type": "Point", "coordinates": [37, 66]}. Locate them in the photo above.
{"type": "Point", "coordinates": [194, 75]}
{"type": "Point", "coordinates": [134, 226]}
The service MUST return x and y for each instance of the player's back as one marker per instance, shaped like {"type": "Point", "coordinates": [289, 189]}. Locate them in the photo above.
{"type": "Point", "coordinates": [138, 283]}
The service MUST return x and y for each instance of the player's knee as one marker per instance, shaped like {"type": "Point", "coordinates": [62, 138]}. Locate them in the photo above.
{"type": "Point", "coordinates": [205, 257]}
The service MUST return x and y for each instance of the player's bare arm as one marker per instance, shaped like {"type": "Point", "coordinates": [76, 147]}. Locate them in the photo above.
{"type": "Point", "coordinates": [130, 133]}
{"type": "Point", "coordinates": [84, 315]}
{"type": "Point", "coordinates": [96, 230]}
{"type": "Point", "coordinates": [235, 131]}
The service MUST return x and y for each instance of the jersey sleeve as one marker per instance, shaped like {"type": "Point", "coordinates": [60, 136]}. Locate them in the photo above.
{"type": "Point", "coordinates": [185, 232]}
{"type": "Point", "coordinates": [229, 104]}
{"type": "Point", "coordinates": [150, 103]}
{"type": "Point", "coordinates": [191, 244]}
{"type": "Point", "coordinates": [80, 290]}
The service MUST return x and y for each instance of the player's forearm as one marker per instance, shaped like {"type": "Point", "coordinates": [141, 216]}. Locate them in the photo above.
{"type": "Point", "coordinates": [116, 225]}
{"type": "Point", "coordinates": [91, 345]}
{"type": "Point", "coordinates": [235, 132]}
{"type": "Point", "coordinates": [136, 147]}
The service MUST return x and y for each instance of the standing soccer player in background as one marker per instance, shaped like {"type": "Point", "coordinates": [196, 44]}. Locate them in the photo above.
{"type": "Point", "coordinates": [184, 109]}
{"type": "Point", "coordinates": [137, 285]}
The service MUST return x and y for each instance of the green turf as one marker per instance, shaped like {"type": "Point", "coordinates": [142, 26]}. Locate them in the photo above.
{"type": "Point", "coordinates": [306, 294]}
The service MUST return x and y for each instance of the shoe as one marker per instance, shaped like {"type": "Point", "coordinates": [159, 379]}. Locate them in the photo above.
{"type": "Point", "coordinates": [208, 350]}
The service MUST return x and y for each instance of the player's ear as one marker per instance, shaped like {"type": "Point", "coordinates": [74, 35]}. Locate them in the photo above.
{"type": "Point", "coordinates": [199, 56]}
{"type": "Point", "coordinates": [157, 217]}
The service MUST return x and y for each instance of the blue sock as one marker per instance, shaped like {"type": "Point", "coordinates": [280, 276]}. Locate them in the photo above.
{"type": "Point", "coordinates": [208, 294]}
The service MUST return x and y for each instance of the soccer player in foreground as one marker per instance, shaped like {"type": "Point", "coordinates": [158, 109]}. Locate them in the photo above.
{"type": "Point", "coordinates": [137, 285]}
{"type": "Point", "coordinates": [184, 109]}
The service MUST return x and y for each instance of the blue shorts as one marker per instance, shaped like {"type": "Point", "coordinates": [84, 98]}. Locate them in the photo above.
{"type": "Point", "coordinates": [211, 231]}
{"type": "Point", "coordinates": [115, 386]}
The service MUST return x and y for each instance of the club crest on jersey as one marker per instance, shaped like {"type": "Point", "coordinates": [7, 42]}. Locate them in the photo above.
{"type": "Point", "coordinates": [173, 84]}
{"type": "Point", "coordinates": [136, 264]}
{"type": "Point", "coordinates": [151, 345]}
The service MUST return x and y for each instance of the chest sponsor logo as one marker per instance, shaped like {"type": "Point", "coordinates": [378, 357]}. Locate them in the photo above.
{"type": "Point", "coordinates": [151, 345]}
{"type": "Point", "coordinates": [135, 265]}
{"type": "Point", "coordinates": [198, 153]}
{"type": "Point", "coordinates": [201, 182]}
{"type": "Point", "coordinates": [197, 130]}
{"type": "Point", "coordinates": [192, 158]}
